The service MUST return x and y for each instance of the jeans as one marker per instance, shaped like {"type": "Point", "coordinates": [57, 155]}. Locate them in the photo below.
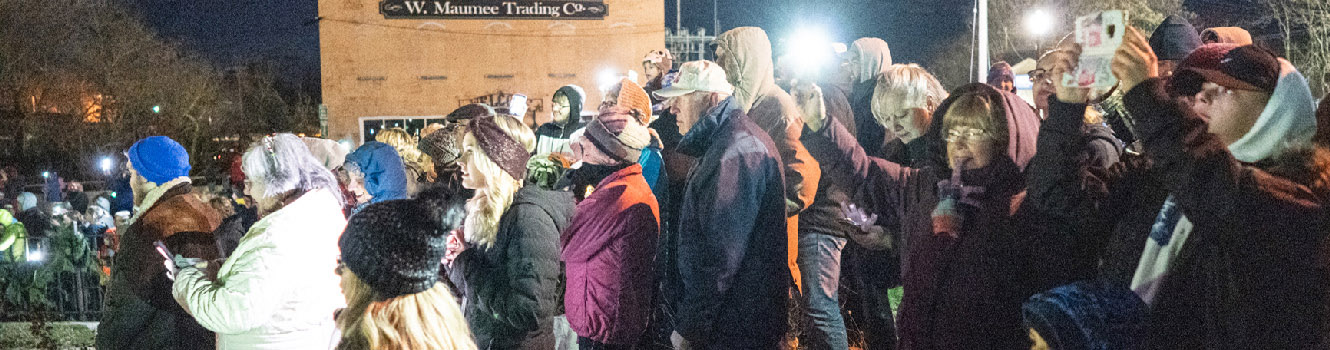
{"type": "Point", "coordinates": [819, 263]}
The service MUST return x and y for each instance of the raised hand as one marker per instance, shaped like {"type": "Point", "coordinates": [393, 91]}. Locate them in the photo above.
{"type": "Point", "coordinates": [1135, 61]}
{"type": "Point", "coordinates": [1065, 61]}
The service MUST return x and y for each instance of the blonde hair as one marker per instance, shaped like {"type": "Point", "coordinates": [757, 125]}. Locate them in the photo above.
{"type": "Point", "coordinates": [979, 112]}
{"type": "Point", "coordinates": [487, 206]}
{"type": "Point", "coordinates": [427, 320]}
{"type": "Point", "coordinates": [903, 87]}
{"type": "Point", "coordinates": [405, 145]}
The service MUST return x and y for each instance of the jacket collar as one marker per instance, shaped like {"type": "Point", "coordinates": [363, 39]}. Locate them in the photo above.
{"type": "Point", "coordinates": [635, 169]}
{"type": "Point", "coordinates": [699, 138]}
{"type": "Point", "coordinates": [156, 194]}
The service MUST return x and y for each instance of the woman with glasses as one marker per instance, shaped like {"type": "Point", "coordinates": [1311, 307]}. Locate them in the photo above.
{"type": "Point", "coordinates": [277, 290]}
{"type": "Point", "coordinates": [975, 252]}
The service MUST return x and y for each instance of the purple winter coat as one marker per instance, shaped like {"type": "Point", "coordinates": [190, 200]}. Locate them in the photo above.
{"type": "Point", "coordinates": [609, 248]}
{"type": "Point", "coordinates": [962, 293]}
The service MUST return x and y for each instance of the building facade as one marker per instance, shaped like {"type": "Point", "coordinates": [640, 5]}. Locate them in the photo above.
{"type": "Point", "coordinates": [401, 63]}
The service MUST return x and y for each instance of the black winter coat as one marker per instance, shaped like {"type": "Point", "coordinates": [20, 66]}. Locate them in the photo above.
{"type": "Point", "coordinates": [1253, 272]}
{"type": "Point", "coordinates": [510, 290]}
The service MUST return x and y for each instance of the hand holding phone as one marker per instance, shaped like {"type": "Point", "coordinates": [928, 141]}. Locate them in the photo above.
{"type": "Point", "coordinates": [174, 262]}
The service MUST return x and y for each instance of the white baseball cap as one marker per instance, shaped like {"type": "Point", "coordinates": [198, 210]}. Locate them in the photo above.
{"type": "Point", "coordinates": [697, 76]}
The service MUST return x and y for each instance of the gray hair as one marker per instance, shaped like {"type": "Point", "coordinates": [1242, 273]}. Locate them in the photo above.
{"type": "Point", "coordinates": [286, 166]}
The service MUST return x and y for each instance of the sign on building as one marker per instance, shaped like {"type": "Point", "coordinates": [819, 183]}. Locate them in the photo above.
{"type": "Point", "coordinates": [492, 9]}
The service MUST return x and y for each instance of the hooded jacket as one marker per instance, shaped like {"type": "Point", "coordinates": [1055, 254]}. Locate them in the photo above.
{"type": "Point", "coordinates": [385, 176]}
{"type": "Point", "coordinates": [557, 137]}
{"type": "Point", "coordinates": [749, 68]}
{"type": "Point", "coordinates": [874, 57]}
{"type": "Point", "coordinates": [965, 292]}
{"type": "Point", "coordinates": [509, 290]}
{"type": "Point", "coordinates": [733, 241]}
{"type": "Point", "coordinates": [140, 311]}
{"type": "Point", "coordinates": [609, 248]}
{"type": "Point", "coordinates": [1250, 273]}
{"type": "Point", "coordinates": [13, 238]}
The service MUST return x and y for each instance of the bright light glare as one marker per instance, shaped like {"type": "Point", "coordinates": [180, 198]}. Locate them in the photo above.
{"type": "Point", "coordinates": [46, 174]}
{"type": "Point", "coordinates": [1039, 22]}
{"type": "Point", "coordinates": [606, 79]}
{"type": "Point", "coordinates": [106, 165]}
{"type": "Point", "coordinates": [36, 256]}
{"type": "Point", "coordinates": [808, 49]}
{"type": "Point", "coordinates": [345, 144]}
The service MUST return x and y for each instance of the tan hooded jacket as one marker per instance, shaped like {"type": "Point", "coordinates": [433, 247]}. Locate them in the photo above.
{"type": "Point", "coordinates": [749, 67]}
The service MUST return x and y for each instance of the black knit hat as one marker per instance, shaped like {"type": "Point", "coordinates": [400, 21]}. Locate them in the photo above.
{"type": "Point", "coordinates": [397, 246]}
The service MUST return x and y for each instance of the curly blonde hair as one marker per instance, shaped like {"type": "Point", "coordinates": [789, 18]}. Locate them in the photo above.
{"type": "Point", "coordinates": [427, 320]}
{"type": "Point", "coordinates": [488, 205]}
{"type": "Point", "coordinates": [405, 145]}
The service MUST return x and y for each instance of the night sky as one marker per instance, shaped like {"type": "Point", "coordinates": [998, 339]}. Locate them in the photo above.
{"type": "Point", "coordinates": [237, 31]}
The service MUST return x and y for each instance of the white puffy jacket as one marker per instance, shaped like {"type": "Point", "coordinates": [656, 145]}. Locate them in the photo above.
{"type": "Point", "coordinates": [278, 290]}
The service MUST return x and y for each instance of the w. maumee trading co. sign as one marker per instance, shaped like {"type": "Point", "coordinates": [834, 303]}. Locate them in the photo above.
{"type": "Point", "coordinates": [492, 9]}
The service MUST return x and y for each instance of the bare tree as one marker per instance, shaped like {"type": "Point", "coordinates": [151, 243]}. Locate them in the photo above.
{"type": "Point", "coordinates": [93, 62]}
{"type": "Point", "coordinates": [1304, 28]}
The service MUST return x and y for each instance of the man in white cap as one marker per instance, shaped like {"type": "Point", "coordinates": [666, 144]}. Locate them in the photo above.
{"type": "Point", "coordinates": [733, 276]}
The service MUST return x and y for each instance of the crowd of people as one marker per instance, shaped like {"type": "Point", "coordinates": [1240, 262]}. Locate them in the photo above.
{"type": "Point", "coordinates": [719, 205]}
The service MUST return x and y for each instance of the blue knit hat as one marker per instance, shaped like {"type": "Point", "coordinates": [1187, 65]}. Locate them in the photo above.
{"type": "Point", "coordinates": [159, 159]}
{"type": "Point", "coordinates": [1087, 315]}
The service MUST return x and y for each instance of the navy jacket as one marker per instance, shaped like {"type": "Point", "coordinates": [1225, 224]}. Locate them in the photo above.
{"type": "Point", "coordinates": [732, 238]}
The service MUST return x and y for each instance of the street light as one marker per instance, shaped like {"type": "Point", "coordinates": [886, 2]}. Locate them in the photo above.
{"type": "Point", "coordinates": [106, 165]}
{"type": "Point", "coordinates": [808, 49]}
{"type": "Point", "coordinates": [1039, 23]}
{"type": "Point", "coordinates": [157, 109]}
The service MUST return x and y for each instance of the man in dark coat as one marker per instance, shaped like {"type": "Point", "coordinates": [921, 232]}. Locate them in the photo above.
{"type": "Point", "coordinates": [733, 245]}
{"type": "Point", "coordinates": [140, 312]}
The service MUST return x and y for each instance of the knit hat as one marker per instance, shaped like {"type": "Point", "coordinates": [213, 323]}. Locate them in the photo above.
{"type": "Point", "coordinates": [1000, 72]}
{"type": "Point", "coordinates": [442, 146]}
{"type": "Point", "coordinates": [1174, 39]}
{"type": "Point", "coordinates": [615, 137]}
{"type": "Point", "coordinates": [509, 154]}
{"type": "Point", "coordinates": [159, 159]}
{"type": "Point", "coordinates": [1087, 315]}
{"type": "Point", "coordinates": [1235, 67]}
{"type": "Point", "coordinates": [397, 246]}
{"type": "Point", "coordinates": [471, 111]}
{"type": "Point", "coordinates": [633, 97]}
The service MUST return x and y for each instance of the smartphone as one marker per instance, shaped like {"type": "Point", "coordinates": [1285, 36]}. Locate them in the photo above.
{"type": "Point", "coordinates": [517, 106]}
{"type": "Point", "coordinates": [161, 250]}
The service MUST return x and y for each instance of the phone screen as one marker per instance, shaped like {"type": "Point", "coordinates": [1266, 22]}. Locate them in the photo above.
{"type": "Point", "coordinates": [161, 249]}
{"type": "Point", "coordinates": [517, 106]}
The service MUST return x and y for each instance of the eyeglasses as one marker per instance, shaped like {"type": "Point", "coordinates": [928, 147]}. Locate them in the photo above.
{"type": "Point", "coordinates": [966, 134]}
{"type": "Point", "coordinates": [1038, 75]}
{"type": "Point", "coordinates": [340, 267]}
